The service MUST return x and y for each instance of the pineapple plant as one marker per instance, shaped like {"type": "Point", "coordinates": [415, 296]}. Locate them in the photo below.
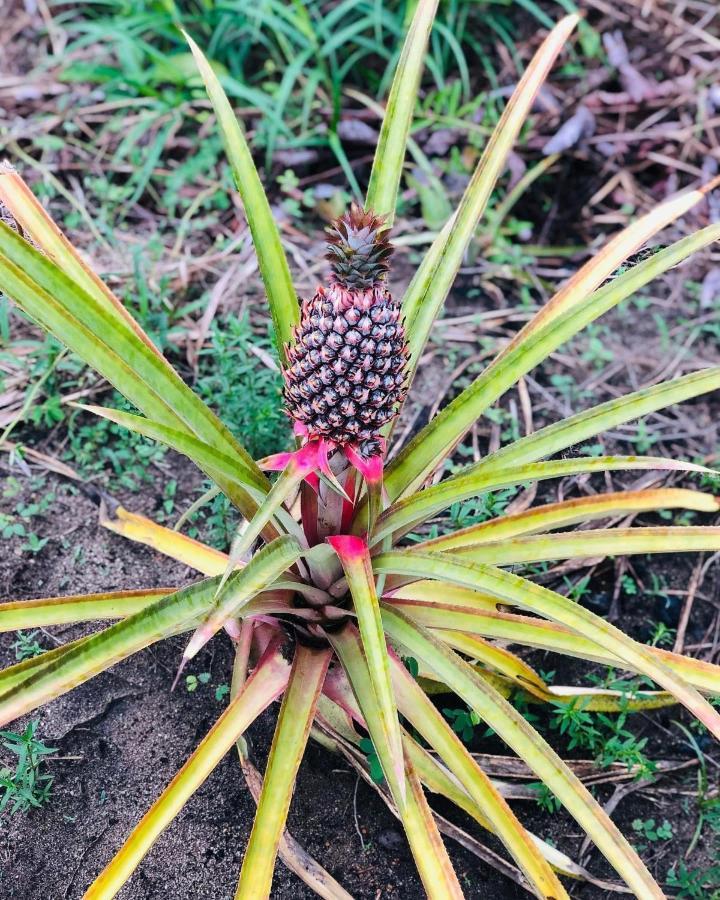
{"type": "Point", "coordinates": [320, 594]}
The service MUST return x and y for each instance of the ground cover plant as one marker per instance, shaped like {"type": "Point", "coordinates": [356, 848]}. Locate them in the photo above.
{"type": "Point", "coordinates": [438, 600]}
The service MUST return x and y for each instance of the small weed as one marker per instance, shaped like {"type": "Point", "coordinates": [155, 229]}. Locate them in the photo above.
{"type": "Point", "coordinates": [192, 682]}
{"type": "Point", "coordinates": [221, 692]}
{"type": "Point", "coordinates": [545, 798]}
{"type": "Point", "coordinates": [694, 884]}
{"type": "Point", "coordinates": [463, 722]}
{"type": "Point", "coordinates": [26, 647]}
{"type": "Point", "coordinates": [26, 787]}
{"type": "Point", "coordinates": [650, 832]}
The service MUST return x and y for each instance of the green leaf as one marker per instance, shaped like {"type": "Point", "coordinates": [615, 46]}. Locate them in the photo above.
{"type": "Point", "coordinates": [434, 866]}
{"type": "Point", "coordinates": [529, 745]}
{"type": "Point", "coordinates": [591, 543]}
{"type": "Point", "coordinates": [205, 456]}
{"type": "Point", "coordinates": [293, 727]}
{"type": "Point", "coordinates": [170, 615]}
{"type": "Point", "coordinates": [390, 152]}
{"type": "Point", "coordinates": [584, 425]}
{"type": "Point", "coordinates": [274, 268]}
{"type": "Point", "coordinates": [40, 613]}
{"type": "Point", "coordinates": [106, 341]}
{"type": "Point", "coordinates": [405, 514]}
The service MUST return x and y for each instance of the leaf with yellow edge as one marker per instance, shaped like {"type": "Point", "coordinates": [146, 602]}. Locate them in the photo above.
{"type": "Point", "coordinates": [433, 279]}
{"type": "Point", "coordinates": [521, 592]}
{"type": "Point", "coordinates": [571, 512]}
{"type": "Point", "coordinates": [604, 262]}
{"type": "Point", "coordinates": [432, 444]}
{"type": "Point", "coordinates": [434, 866]}
{"type": "Point", "coordinates": [527, 743]}
{"type": "Point", "coordinates": [39, 613]}
{"type": "Point", "coordinates": [355, 559]}
{"type": "Point", "coordinates": [35, 221]}
{"type": "Point", "coordinates": [173, 544]}
{"type": "Point", "coordinates": [405, 514]}
{"type": "Point", "coordinates": [265, 685]}
{"type": "Point", "coordinates": [527, 679]}
{"type": "Point", "coordinates": [591, 422]}
{"type": "Point", "coordinates": [543, 635]}
{"type": "Point", "coordinates": [165, 617]}
{"type": "Point", "coordinates": [202, 454]}
{"type": "Point", "coordinates": [419, 710]}
{"type": "Point", "coordinates": [596, 543]}
{"type": "Point", "coordinates": [233, 595]}
{"type": "Point", "coordinates": [291, 733]}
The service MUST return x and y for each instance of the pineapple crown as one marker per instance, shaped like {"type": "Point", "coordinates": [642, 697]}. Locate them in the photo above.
{"type": "Point", "coordinates": [358, 249]}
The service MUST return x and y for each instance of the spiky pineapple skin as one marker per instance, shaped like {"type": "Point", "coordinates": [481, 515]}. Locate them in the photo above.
{"type": "Point", "coordinates": [347, 366]}
{"type": "Point", "coordinates": [346, 373]}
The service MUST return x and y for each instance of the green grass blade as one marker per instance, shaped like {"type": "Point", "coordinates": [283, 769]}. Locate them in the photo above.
{"type": "Point", "coordinates": [572, 512]}
{"type": "Point", "coordinates": [529, 745]}
{"type": "Point", "coordinates": [264, 686]}
{"type": "Point", "coordinates": [542, 601]}
{"type": "Point", "coordinates": [433, 443]}
{"type": "Point", "coordinates": [390, 152]}
{"type": "Point", "coordinates": [293, 727]}
{"type": "Point", "coordinates": [274, 267]}
{"type": "Point", "coordinates": [406, 514]}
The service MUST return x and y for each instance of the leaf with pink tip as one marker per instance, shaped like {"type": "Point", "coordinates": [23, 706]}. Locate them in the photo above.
{"type": "Point", "coordinates": [355, 558]}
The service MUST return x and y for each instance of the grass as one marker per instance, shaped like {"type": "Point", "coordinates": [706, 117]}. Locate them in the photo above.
{"type": "Point", "coordinates": [288, 68]}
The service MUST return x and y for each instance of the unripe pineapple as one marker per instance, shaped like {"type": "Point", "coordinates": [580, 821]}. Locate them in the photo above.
{"type": "Point", "coordinates": [346, 373]}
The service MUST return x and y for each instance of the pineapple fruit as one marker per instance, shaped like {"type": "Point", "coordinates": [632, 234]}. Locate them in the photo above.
{"type": "Point", "coordinates": [347, 366]}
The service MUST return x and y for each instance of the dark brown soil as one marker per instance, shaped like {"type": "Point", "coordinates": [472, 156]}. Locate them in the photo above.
{"type": "Point", "coordinates": [122, 736]}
